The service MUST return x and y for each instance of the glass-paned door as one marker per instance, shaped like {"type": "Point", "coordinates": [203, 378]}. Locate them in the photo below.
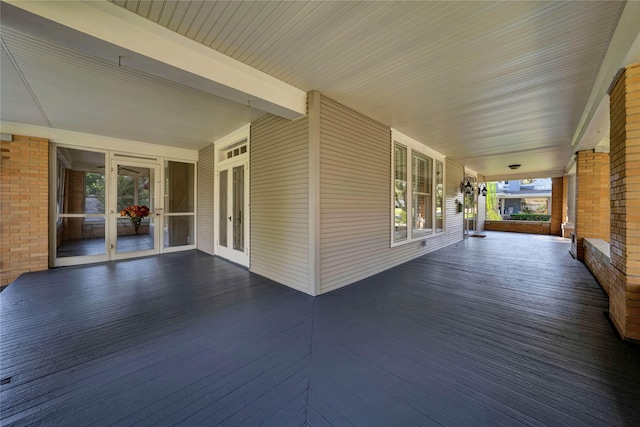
{"type": "Point", "coordinates": [79, 228]}
{"type": "Point", "coordinates": [232, 189]}
{"type": "Point", "coordinates": [135, 215]}
{"type": "Point", "coordinates": [179, 203]}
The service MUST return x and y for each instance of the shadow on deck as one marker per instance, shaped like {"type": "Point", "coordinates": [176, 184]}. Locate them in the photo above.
{"type": "Point", "coordinates": [508, 329]}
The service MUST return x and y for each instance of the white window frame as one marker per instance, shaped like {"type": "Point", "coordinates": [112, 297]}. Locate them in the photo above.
{"type": "Point", "coordinates": [412, 146]}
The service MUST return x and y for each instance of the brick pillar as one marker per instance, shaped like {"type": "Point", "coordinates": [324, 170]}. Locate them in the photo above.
{"type": "Point", "coordinates": [624, 297]}
{"type": "Point", "coordinates": [592, 199]}
{"type": "Point", "coordinates": [565, 199]}
{"type": "Point", "coordinates": [24, 207]}
{"type": "Point", "coordinates": [557, 195]}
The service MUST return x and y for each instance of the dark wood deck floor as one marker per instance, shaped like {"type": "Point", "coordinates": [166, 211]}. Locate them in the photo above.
{"type": "Point", "coordinates": [505, 330]}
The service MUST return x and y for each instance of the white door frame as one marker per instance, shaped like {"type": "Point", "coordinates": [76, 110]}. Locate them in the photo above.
{"type": "Point", "coordinates": [223, 163]}
{"type": "Point", "coordinates": [155, 215]}
{"type": "Point", "coordinates": [111, 159]}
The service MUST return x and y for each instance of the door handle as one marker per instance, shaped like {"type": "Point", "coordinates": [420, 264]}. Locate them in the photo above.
{"type": "Point", "coordinates": [229, 219]}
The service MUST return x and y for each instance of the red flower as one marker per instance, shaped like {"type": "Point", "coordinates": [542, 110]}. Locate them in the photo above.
{"type": "Point", "coordinates": [135, 212]}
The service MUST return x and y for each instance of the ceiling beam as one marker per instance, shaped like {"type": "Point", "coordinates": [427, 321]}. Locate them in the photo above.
{"type": "Point", "coordinates": [159, 51]}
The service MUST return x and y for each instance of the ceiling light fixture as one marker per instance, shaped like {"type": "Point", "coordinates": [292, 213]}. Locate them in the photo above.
{"type": "Point", "coordinates": [514, 166]}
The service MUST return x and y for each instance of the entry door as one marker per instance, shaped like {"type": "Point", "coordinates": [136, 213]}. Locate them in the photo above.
{"type": "Point", "coordinates": [135, 215]}
{"type": "Point", "coordinates": [232, 214]}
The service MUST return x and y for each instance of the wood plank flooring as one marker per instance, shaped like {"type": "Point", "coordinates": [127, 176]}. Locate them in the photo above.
{"type": "Point", "coordinates": [505, 330]}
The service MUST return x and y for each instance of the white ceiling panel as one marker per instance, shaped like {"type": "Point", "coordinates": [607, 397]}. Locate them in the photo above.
{"type": "Point", "coordinates": [17, 103]}
{"type": "Point", "coordinates": [486, 83]}
{"type": "Point", "coordinates": [88, 94]}
{"type": "Point", "coordinates": [470, 79]}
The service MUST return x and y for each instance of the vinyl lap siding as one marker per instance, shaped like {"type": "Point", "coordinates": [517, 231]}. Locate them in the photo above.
{"type": "Point", "coordinates": [206, 186]}
{"type": "Point", "coordinates": [279, 200]}
{"type": "Point", "coordinates": [355, 200]}
{"type": "Point", "coordinates": [454, 173]}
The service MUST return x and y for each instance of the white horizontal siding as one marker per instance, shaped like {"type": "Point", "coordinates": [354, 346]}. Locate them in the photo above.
{"type": "Point", "coordinates": [453, 221]}
{"type": "Point", "coordinates": [279, 200]}
{"type": "Point", "coordinates": [355, 200]}
{"type": "Point", "coordinates": [206, 185]}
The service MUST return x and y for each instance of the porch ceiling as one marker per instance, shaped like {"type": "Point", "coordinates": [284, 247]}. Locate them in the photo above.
{"type": "Point", "coordinates": [486, 83]}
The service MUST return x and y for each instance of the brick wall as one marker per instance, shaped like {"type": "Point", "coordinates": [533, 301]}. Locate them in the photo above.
{"type": "Point", "coordinates": [565, 199]}
{"type": "Point", "coordinates": [624, 303]}
{"type": "Point", "coordinates": [557, 197]}
{"type": "Point", "coordinates": [532, 227]}
{"type": "Point", "coordinates": [597, 260]}
{"type": "Point", "coordinates": [592, 198]}
{"type": "Point", "coordinates": [24, 207]}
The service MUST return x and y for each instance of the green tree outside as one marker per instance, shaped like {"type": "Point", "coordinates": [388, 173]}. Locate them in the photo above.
{"type": "Point", "coordinates": [493, 210]}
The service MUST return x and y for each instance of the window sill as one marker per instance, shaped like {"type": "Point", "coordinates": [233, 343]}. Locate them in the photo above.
{"type": "Point", "coordinates": [416, 239]}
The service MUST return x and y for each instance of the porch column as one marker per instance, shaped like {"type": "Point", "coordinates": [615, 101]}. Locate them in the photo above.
{"type": "Point", "coordinates": [24, 206]}
{"type": "Point", "coordinates": [568, 204]}
{"type": "Point", "coordinates": [557, 196]}
{"type": "Point", "coordinates": [624, 297]}
{"type": "Point", "coordinates": [592, 199]}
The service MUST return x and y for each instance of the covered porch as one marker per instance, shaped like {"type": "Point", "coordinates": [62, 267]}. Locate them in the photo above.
{"type": "Point", "coordinates": [506, 329]}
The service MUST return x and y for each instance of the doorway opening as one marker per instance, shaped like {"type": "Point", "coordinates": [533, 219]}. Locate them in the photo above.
{"type": "Point", "coordinates": [231, 201]}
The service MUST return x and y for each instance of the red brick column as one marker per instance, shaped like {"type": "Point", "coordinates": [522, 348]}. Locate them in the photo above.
{"type": "Point", "coordinates": [24, 207]}
{"type": "Point", "coordinates": [557, 195]}
{"type": "Point", "coordinates": [624, 297]}
{"type": "Point", "coordinates": [565, 198]}
{"type": "Point", "coordinates": [592, 199]}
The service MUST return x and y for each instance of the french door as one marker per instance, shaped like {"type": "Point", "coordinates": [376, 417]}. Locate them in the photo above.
{"type": "Point", "coordinates": [135, 209]}
{"type": "Point", "coordinates": [231, 217]}
{"type": "Point", "coordinates": [108, 205]}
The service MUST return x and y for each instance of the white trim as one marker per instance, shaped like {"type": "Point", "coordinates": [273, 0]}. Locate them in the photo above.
{"type": "Point", "coordinates": [416, 145]}
{"type": "Point", "coordinates": [194, 244]}
{"type": "Point", "coordinates": [243, 133]}
{"type": "Point", "coordinates": [135, 154]}
{"type": "Point", "coordinates": [411, 146]}
{"type": "Point", "coordinates": [53, 214]}
{"type": "Point", "coordinates": [113, 215]}
{"type": "Point", "coordinates": [235, 136]}
{"type": "Point", "coordinates": [96, 142]}
{"type": "Point", "coordinates": [314, 194]}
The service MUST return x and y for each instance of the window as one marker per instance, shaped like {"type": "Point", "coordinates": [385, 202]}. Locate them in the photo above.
{"type": "Point", "coordinates": [418, 191]}
{"type": "Point", "coordinates": [400, 208]}
{"type": "Point", "coordinates": [439, 196]}
{"type": "Point", "coordinates": [421, 210]}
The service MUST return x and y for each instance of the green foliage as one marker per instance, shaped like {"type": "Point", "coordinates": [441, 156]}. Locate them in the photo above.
{"type": "Point", "coordinates": [530, 217]}
{"type": "Point", "coordinates": [401, 216]}
{"type": "Point", "coordinates": [493, 211]}
{"type": "Point", "coordinates": [125, 191]}
{"type": "Point", "coordinates": [94, 187]}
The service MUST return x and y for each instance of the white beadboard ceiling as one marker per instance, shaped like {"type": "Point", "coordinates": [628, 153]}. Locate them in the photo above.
{"type": "Point", "coordinates": [486, 83]}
